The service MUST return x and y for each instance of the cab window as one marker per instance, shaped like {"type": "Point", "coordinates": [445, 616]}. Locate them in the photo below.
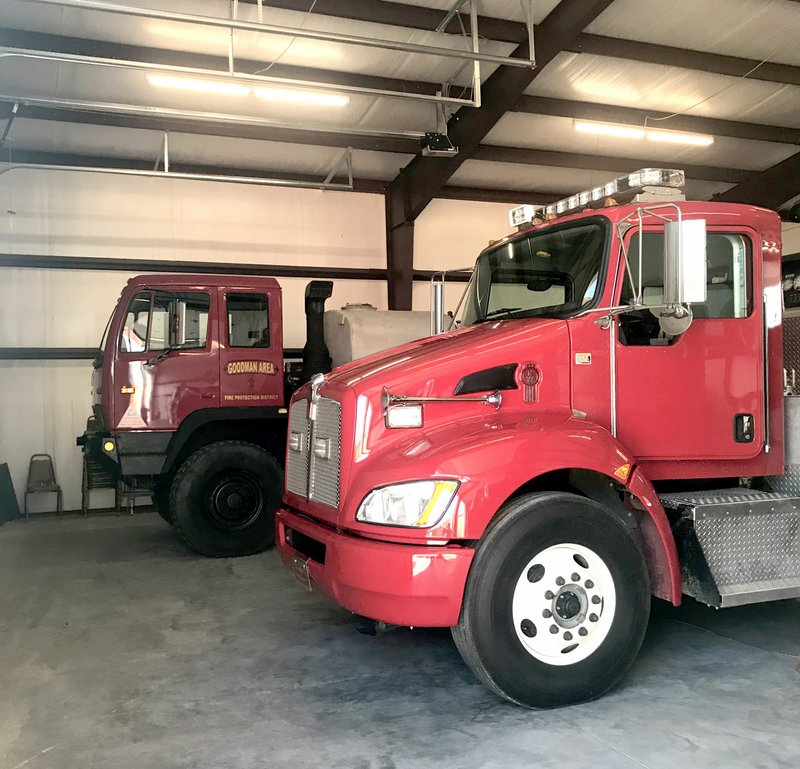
{"type": "Point", "coordinates": [248, 320]}
{"type": "Point", "coordinates": [134, 333]}
{"type": "Point", "coordinates": [729, 291]}
{"type": "Point", "coordinates": [163, 320]}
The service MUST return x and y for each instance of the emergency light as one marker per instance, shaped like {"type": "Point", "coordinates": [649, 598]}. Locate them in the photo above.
{"type": "Point", "coordinates": [628, 185]}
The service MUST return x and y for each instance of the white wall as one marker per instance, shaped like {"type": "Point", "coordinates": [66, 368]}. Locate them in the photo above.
{"type": "Point", "coordinates": [791, 238]}
{"type": "Point", "coordinates": [449, 234]}
{"type": "Point", "coordinates": [44, 405]}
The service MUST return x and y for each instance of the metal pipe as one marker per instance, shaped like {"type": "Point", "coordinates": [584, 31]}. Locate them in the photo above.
{"type": "Point", "coordinates": [437, 305]}
{"type": "Point", "coordinates": [9, 123]}
{"type": "Point", "coordinates": [255, 180]}
{"type": "Point", "coordinates": [272, 29]}
{"type": "Point", "coordinates": [215, 74]}
{"type": "Point", "coordinates": [476, 65]}
{"type": "Point", "coordinates": [442, 25]}
{"type": "Point", "coordinates": [195, 116]}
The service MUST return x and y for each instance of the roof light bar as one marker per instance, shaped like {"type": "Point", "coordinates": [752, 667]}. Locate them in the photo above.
{"type": "Point", "coordinates": [628, 185]}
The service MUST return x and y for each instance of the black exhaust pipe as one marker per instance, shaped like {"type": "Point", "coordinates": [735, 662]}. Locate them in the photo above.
{"type": "Point", "coordinates": [316, 358]}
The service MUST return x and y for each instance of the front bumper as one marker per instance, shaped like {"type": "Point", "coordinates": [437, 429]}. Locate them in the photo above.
{"type": "Point", "coordinates": [414, 585]}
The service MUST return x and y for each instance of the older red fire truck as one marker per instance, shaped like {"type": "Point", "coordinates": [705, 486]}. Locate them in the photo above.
{"type": "Point", "coordinates": [607, 423]}
{"type": "Point", "coordinates": [189, 401]}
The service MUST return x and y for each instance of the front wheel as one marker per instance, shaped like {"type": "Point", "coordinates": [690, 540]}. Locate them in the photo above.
{"type": "Point", "coordinates": [556, 603]}
{"type": "Point", "coordinates": [224, 497]}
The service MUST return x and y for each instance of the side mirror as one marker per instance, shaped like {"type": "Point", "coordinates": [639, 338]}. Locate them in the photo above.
{"type": "Point", "coordinates": [685, 262]}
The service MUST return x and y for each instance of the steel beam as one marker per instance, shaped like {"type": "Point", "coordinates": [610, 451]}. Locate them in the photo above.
{"type": "Point", "coordinates": [422, 179]}
{"type": "Point", "coordinates": [771, 188]}
{"type": "Point", "coordinates": [206, 124]}
{"type": "Point", "coordinates": [18, 38]}
{"type": "Point", "coordinates": [521, 155]}
{"type": "Point", "coordinates": [491, 28]}
{"type": "Point", "coordinates": [716, 63]}
{"type": "Point", "coordinates": [140, 166]}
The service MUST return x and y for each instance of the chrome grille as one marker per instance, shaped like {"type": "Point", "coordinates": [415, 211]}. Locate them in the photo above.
{"type": "Point", "coordinates": [324, 453]}
{"type": "Point", "coordinates": [297, 457]}
{"type": "Point", "coordinates": [312, 459]}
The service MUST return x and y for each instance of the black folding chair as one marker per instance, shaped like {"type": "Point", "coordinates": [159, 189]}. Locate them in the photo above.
{"type": "Point", "coordinates": [42, 480]}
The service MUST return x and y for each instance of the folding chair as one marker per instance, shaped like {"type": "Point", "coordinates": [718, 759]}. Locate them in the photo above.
{"type": "Point", "coordinates": [42, 479]}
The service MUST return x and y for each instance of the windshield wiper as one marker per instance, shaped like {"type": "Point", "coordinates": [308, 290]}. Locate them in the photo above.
{"type": "Point", "coordinates": [501, 311]}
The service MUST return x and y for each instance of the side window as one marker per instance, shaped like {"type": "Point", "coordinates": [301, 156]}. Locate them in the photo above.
{"type": "Point", "coordinates": [248, 320]}
{"type": "Point", "coordinates": [164, 320]}
{"type": "Point", "coordinates": [728, 291]}
{"type": "Point", "coordinates": [134, 333]}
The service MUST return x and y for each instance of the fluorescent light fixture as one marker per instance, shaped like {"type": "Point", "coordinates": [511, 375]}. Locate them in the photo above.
{"type": "Point", "coordinates": [634, 132]}
{"type": "Point", "coordinates": [680, 137]}
{"type": "Point", "coordinates": [296, 96]}
{"type": "Point", "coordinates": [201, 86]}
{"type": "Point", "coordinates": [609, 129]}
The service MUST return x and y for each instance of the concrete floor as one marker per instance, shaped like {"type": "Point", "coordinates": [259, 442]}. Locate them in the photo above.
{"type": "Point", "coordinates": [119, 649]}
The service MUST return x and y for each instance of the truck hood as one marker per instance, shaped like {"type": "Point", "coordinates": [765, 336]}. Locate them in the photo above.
{"type": "Point", "coordinates": [434, 366]}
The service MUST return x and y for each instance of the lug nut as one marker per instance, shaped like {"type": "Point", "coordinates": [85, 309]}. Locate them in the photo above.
{"type": "Point", "coordinates": [595, 599]}
{"type": "Point", "coordinates": [553, 629]}
{"type": "Point", "coordinates": [549, 595]}
{"type": "Point", "coordinates": [547, 614]}
{"type": "Point", "coordinates": [589, 584]}
{"type": "Point", "coordinates": [560, 581]}
{"type": "Point", "coordinates": [575, 577]}
{"type": "Point", "coordinates": [593, 618]}
{"type": "Point", "coordinates": [567, 636]}
{"type": "Point", "coordinates": [583, 632]}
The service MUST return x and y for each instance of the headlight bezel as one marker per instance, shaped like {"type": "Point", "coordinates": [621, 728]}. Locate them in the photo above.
{"type": "Point", "coordinates": [438, 503]}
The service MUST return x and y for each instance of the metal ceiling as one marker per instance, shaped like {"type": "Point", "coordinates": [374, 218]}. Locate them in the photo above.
{"type": "Point", "coordinates": [725, 67]}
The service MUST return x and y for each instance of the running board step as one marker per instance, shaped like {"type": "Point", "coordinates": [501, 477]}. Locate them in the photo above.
{"type": "Point", "coordinates": [737, 546]}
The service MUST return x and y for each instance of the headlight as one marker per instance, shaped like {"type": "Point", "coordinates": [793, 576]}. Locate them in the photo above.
{"type": "Point", "coordinates": [418, 503]}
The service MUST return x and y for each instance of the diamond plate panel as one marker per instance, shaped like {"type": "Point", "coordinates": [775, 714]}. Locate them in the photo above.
{"type": "Point", "coordinates": [791, 351]}
{"type": "Point", "coordinates": [324, 453]}
{"type": "Point", "coordinates": [751, 553]}
{"type": "Point", "coordinates": [788, 483]}
{"type": "Point", "coordinates": [297, 461]}
{"type": "Point", "coordinates": [678, 499]}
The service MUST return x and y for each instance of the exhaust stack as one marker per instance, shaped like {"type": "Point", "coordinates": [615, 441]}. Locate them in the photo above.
{"type": "Point", "coordinates": [316, 358]}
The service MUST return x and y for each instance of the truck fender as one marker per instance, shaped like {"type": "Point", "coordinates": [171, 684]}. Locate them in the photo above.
{"type": "Point", "coordinates": [518, 452]}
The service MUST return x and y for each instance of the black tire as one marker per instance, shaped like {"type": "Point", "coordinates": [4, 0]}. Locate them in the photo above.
{"type": "Point", "coordinates": [224, 497]}
{"type": "Point", "coordinates": [486, 635]}
{"type": "Point", "coordinates": [161, 490]}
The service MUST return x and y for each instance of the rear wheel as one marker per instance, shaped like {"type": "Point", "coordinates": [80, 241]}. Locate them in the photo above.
{"type": "Point", "coordinates": [556, 603]}
{"type": "Point", "coordinates": [224, 497]}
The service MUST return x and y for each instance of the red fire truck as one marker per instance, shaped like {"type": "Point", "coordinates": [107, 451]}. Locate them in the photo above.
{"type": "Point", "coordinates": [189, 401]}
{"type": "Point", "coordinates": [606, 423]}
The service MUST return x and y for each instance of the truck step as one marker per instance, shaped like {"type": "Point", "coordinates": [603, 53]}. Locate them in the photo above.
{"type": "Point", "coordinates": [737, 545]}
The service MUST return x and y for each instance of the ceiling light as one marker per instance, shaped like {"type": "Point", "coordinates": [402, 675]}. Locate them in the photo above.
{"type": "Point", "coordinates": [204, 86]}
{"type": "Point", "coordinates": [292, 96]}
{"type": "Point", "coordinates": [620, 131]}
{"type": "Point", "coordinates": [609, 129]}
{"type": "Point", "coordinates": [680, 137]}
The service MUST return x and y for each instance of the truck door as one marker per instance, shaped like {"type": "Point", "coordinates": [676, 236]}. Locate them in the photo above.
{"type": "Point", "coordinates": [699, 395]}
{"type": "Point", "coordinates": [251, 348]}
{"type": "Point", "coordinates": [167, 367]}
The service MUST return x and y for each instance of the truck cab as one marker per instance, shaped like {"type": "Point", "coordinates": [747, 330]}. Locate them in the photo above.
{"type": "Point", "coordinates": [605, 424]}
{"type": "Point", "coordinates": [189, 402]}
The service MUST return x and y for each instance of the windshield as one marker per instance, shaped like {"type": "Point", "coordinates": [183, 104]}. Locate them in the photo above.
{"type": "Point", "coordinates": [552, 272]}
